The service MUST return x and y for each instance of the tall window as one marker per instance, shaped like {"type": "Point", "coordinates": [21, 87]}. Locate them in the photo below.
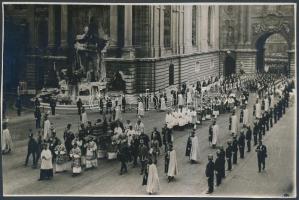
{"type": "Point", "coordinates": [171, 74]}
{"type": "Point", "coordinates": [209, 24]}
{"type": "Point", "coordinates": [194, 13]}
{"type": "Point", "coordinates": [167, 26]}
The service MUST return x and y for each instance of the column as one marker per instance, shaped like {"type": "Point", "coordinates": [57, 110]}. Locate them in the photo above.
{"type": "Point", "coordinates": [162, 50]}
{"type": "Point", "coordinates": [128, 51]}
{"type": "Point", "coordinates": [113, 26]}
{"type": "Point", "coordinates": [156, 30]}
{"type": "Point", "coordinates": [32, 27]}
{"type": "Point", "coordinates": [64, 26]}
{"type": "Point", "coordinates": [51, 27]}
{"type": "Point", "coordinates": [291, 70]}
{"type": "Point", "coordinates": [248, 22]}
{"type": "Point", "coordinates": [187, 29]}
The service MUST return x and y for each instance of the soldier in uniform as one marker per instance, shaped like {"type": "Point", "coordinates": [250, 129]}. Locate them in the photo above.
{"type": "Point", "coordinates": [210, 174]}
{"type": "Point", "coordinates": [228, 155]}
{"type": "Point", "coordinates": [275, 113]}
{"type": "Point", "coordinates": [235, 149]}
{"type": "Point", "coordinates": [222, 157]}
{"type": "Point", "coordinates": [271, 117]}
{"type": "Point", "coordinates": [261, 155]}
{"type": "Point", "coordinates": [218, 168]}
{"type": "Point", "coordinates": [241, 143]}
{"type": "Point", "coordinates": [248, 138]}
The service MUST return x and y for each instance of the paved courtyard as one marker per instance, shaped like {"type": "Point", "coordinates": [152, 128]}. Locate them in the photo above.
{"type": "Point", "coordinates": [244, 179]}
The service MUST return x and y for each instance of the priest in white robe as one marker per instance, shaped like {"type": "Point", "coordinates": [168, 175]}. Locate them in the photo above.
{"type": "Point", "coordinates": [267, 106]}
{"type": "Point", "coordinates": [215, 134]}
{"type": "Point", "coordinates": [47, 127]}
{"type": "Point", "coordinates": [6, 141]}
{"type": "Point", "coordinates": [234, 124]}
{"type": "Point", "coordinates": [258, 110]}
{"type": "Point", "coordinates": [163, 104]}
{"type": "Point", "coordinates": [246, 116]}
{"type": "Point", "coordinates": [84, 118]}
{"type": "Point", "coordinates": [140, 111]}
{"type": "Point", "coordinates": [172, 164]}
{"type": "Point", "coordinates": [46, 168]}
{"type": "Point", "coordinates": [194, 153]}
{"type": "Point", "coordinates": [153, 183]}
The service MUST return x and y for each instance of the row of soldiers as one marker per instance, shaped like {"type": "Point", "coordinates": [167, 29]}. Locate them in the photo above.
{"type": "Point", "coordinates": [261, 125]}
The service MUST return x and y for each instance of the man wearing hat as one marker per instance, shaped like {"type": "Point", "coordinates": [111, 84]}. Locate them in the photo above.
{"type": "Point", "coordinates": [210, 174]}
{"type": "Point", "coordinates": [235, 149]}
{"type": "Point", "coordinates": [228, 154]}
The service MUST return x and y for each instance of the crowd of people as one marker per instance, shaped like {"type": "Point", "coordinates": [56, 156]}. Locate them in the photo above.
{"type": "Point", "coordinates": [190, 106]}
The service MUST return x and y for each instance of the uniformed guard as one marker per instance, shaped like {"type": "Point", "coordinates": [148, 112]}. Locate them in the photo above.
{"type": "Point", "coordinates": [235, 149]}
{"type": "Point", "coordinates": [275, 113]}
{"type": "Point", "coordinates": [222, 157]}
{"type": "Point", "coordinates": [261, 155]}
{"type": "Point", "coordinates": [228, 155]}
{"type": "Point", "coordinates": [271, 117]}
{"type": "Point", "coordinates": [248, 138]}
{"type": "Point", "coordinates": [210, 174]}
{"type": "Point", "coordinates": [241, 143]}
{"type": "Point", "coordinates": [217, 168]}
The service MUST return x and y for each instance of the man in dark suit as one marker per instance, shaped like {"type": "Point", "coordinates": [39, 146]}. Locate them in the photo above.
{"type": "Point", "coordinates": [222, 157]}
{"type": "Point", "coordinates": [261, 155]}
{"type": "Point", "coordinates": [210, 174]}
{"type": "Point", "coordinates": [235, 150]}
{"type": "Point", "coordinates": [217, 168]}
{"type": "Point", "coordinates": [228, 155]}
{"type": "Point", "coordinates": [248, 137]}
{"type": "Point", "coordinates": [32, 149]}
{"type": "Point", "coordinates": [241, 144]}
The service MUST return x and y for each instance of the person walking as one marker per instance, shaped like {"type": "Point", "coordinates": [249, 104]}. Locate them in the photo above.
{"type": "Point", "coordinates": [241, 144]}
{"type": "Point", "coordinates": [38, 116]}
{"type": "Point", "coordinates": [32, 150]}
{"type": "Point", "coordinates": [79, 106]}
{"type": "Point", "coordinates": [53, 105]}
{"type": "Point", "coordinates": [261, 155]}
{"type": "Point", "coordinates": [210, 174]}
{"type": "Point", "coordinates": [153, 183]}
{"type": "Point", "coordinates": [172, 164]}
{"type": "Point", "coordinates": [19, 105]}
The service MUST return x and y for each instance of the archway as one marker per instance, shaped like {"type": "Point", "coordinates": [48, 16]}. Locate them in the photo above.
{"type": "Point", "coordinates": [271, 55]}
{"type": "Point", "coordinates": [229, 66]}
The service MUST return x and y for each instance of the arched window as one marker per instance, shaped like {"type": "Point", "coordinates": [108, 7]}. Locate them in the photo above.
{"type": "Point", "coordinates": [194, 21]}
{"type": "Point", "coordinates": [167, 26]}
{"type": "Point", "coordinates": [209, 25]}
{"type": "Point", "coordinates": [171, 74]}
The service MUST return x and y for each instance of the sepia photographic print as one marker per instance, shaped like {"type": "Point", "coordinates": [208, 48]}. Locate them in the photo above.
{"type": "Point", "coordinates": [149, 100]}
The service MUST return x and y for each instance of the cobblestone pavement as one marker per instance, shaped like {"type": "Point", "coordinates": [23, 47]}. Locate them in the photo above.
{"type": "Point", "coordinates": [105, 180]}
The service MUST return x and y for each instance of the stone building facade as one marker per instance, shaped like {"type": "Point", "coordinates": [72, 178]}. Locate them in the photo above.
{"type": "Point", "coordinates": [154, 46]}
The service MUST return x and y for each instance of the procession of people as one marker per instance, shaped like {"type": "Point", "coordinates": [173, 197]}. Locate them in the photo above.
{"type": "Point", "coordinates": [186, 110]}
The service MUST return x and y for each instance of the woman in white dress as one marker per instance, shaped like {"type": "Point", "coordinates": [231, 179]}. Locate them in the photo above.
{"type": "Point", "coordinates": [6, 140]}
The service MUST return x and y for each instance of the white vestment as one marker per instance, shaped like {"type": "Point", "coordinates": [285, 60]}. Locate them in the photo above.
{"type": "Point", "coordinates": [258, 111]}
{"type": "Point", "coordinates": [266, 104]}
{"type": "Point", "coordinates": [246, 117]}
{"type": "Point", "coordinates": [215, 134]}
{"type": "Point", "coordinates": [46, 159]}
{"type": "Point", "coordinates": [6, 140]}
{"type": "Point", "coordinates": [234, 124]}
{"type": "Point", "coordinates": [194, 154]}
{"type": "Point", "coordinates": [47, 126]}
{"type": "Point", "coordinates": [163, 104]}
{"type": "Point", "coordinates": [84, 118]}
{"type": "Point", "coordinates": [173, 166]}
{"type": "Point", "coordinates": [153, 183]}
{"type": "Point", "coordinates": [180, 100]}
{"type": "Point", "coordinates": [140, 108]}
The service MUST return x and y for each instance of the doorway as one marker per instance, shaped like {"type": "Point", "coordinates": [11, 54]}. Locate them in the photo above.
{"type": "Point", "coordinates": [229, 66]}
